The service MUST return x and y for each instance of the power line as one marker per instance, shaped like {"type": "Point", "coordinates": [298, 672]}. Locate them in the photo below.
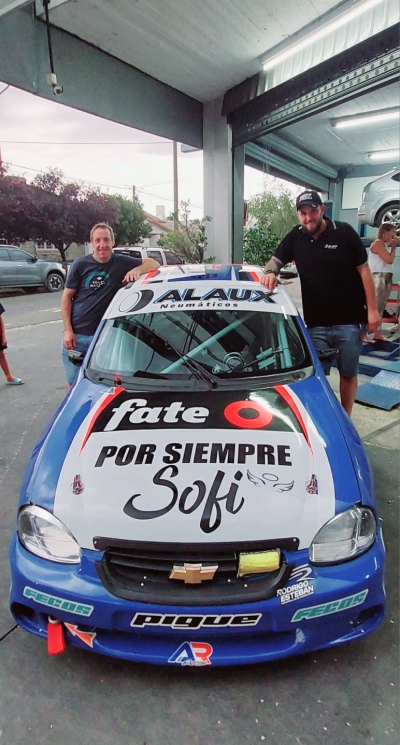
{"type": "Point", "coordinates": [126, 187]}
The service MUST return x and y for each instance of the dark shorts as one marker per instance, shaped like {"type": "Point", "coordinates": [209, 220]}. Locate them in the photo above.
{"type": "Point", "coordinates": [2, 347]}
{"type": "Point", "coordinates": [347, 339]}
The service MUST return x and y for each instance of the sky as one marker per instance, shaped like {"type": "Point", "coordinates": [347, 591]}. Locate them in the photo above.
{"type": "Point", "coordinates": [37, 134]}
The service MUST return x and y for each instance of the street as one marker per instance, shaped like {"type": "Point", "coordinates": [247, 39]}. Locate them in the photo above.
{"type": "Point", "coordinates": [342, 696]}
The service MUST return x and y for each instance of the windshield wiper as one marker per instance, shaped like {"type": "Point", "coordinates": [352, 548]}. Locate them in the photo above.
{"type": "Point", "coordinates": [198, 370]}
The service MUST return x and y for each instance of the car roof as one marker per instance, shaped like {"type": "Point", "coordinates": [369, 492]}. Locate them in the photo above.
{"type": "Point", "coordinates": [211, 286]}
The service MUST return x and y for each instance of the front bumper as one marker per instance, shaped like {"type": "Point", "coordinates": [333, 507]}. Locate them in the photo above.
{"type": "Point", "coordinates": [327, 606]}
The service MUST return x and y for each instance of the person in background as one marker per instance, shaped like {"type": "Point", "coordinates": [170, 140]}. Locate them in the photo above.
{"type": "Point", "coordinates": [11, 380]}
{"type": "Point", "coordinates": [380, 260]}
{"type": "Point", "coordinates": [91, 283]}
{"type": "Point", "coordinates": [336, 285]}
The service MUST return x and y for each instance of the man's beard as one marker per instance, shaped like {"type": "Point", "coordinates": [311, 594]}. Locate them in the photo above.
{"type": "Point", "coordinates": [317, 228]}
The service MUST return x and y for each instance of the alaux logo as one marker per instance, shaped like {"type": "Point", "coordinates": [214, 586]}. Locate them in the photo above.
{"type": "Point", "coordinates": [217, 294]}
{"type": "Point", "coordinates": [194, 654]}
{"type": "Point", "coordinates": [192, 297]}
{"type": "Point", "coordinates": [97, 281]}
{"type": "Point", "coordinates": [135, 301]}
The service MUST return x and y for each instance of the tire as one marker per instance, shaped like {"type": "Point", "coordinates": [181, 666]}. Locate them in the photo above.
{"type": "Point", "coordinates": [54, 282]}
{"type": "Point", "coordinates": [30, 290]}
{"type": "Point", "coordinates": [390, 213]}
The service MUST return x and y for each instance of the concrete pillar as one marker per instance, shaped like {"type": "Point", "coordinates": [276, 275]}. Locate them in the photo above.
{"type": "Point", "coordinates": [218, 174]}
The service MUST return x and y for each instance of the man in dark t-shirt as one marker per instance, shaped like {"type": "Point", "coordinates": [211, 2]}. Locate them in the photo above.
{"type": "Point", "coordinates": [91, 284]}
{"type": "Point", "coordinates": [336, 286]}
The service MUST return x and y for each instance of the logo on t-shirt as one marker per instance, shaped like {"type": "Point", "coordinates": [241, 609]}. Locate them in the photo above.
{"type": "Point", "coordinates": [97, 280]}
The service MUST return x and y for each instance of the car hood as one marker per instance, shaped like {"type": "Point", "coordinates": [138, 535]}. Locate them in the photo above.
{"type": "Point", "coordinates": [195, 467]}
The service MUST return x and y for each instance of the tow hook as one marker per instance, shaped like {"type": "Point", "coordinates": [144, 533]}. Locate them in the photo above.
{"type": "Point", "coordinates": [55, 636]}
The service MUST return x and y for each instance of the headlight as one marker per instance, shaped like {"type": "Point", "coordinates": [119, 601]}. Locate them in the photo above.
{"type": "Point", "coordinates": [345, 536]}
{"type": "Point", "coordinates": [46, 536]}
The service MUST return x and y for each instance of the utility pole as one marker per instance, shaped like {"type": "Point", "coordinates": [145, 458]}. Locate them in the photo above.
{"type": "Point", "coordinates": [176, 201]}
{"type": "Point", "coordinates": [133, 193]}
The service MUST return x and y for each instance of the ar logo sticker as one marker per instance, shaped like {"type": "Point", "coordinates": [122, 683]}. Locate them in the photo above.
{"type": "Point", "coordinates": [195, 654]}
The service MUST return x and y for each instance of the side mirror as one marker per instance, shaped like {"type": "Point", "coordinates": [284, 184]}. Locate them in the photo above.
{"type": "Point", "coordinates": [327, 354]}
{"type": "Point", "coordinates": [32, 260]}
{"type": "Point", "coordinates": [76, 357]}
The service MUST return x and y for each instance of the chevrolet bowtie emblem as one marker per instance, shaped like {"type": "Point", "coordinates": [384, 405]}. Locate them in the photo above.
{"type": "Point", "coordinates": [193, 574]}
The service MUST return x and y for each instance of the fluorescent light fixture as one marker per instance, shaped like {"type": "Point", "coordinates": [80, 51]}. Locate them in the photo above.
{"type": "Point", "coordinates": [320, 33]}
{"type": "Point", "coordinates": [371, 117]}
{"type": "Point", "coordinates": [385, 155]}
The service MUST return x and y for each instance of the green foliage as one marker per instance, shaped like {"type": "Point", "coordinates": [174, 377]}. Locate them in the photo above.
{"type": "Point", "coordinates": [51, 209]}
{"type": "Point", "coordinates": [259, 243]}
{"type": "Point", "coordinates": [189, 240]}
{"type": "Point", "coordinates": [130, 225]}
{"type": "Point", "coordinates": [270, 216]}
{"type": "Point", "coordinates": [276, 210]}
{"type": "Point", "coordinates": [17, 209]}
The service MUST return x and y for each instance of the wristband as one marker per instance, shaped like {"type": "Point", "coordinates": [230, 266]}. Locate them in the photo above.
{"type": "Point", "coordinates": [269, 271]}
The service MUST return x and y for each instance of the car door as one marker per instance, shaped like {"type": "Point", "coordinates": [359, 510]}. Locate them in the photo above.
{"type": "Point", "coordinates": [27, 268]}
{"type": "Point", "coordinates": [8, 269]}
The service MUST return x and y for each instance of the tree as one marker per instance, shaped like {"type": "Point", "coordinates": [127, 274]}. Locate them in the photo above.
{"type": "Point", "coordinates": [259, 243]}
{"type": "Point", "coordinates": [189, 240]}
{"type": "Point", "coordinates": [67, 211]}
{"type": "Point", "coordinates": [17, 209]}
{"type": "Point", "coordinates": [130, 225]}
{"type": "Point", "coordinates": [270, 216]}
{"type": "Point", "coordinates": [277, 210]}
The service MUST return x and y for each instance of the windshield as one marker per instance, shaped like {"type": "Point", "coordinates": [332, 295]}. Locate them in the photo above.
{"type": "Point", "coordinates": [199, 344]}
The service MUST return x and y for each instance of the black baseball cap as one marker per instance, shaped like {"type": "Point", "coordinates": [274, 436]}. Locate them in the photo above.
{"type": "Point", "coordinates": [308, 197]}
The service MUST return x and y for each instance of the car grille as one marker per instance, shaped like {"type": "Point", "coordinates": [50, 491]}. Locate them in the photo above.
{"type": "Point", "coordinates": [140, 571]}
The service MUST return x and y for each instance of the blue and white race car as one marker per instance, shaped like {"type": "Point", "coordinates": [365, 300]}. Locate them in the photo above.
{"type": "Point", "coordinates": [200, 497]}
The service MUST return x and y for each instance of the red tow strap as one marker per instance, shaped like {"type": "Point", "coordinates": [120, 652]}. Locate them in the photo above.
{"type": "Point", "coordinates": [55, 636]}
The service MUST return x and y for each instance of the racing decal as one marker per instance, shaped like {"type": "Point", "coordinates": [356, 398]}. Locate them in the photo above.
{"type": "Point", "coordinates": [303, 585]}
{"type": "Point", "coordinates": [216, 297]}
{"type": "Point", "coordinates": [102, 403]}
{"type": "Point", "coordinates": [237, 414]}
{"type": "Point", "coordinates": [295, 592]}
{"type": "Point", "coordinates": [290, 399]}
{"type": "Point", "coordinates": [51, 601]}
{"type": "Point", "coordinates": [182, 468]}
{"type": "Point", "coordinates": [187, 288]}
{"type": "Point", "coordinates": [247, 275]}
{"type": "Point", "coordinates": [179, 621]}
{"type": "Point", "coordinates": [77, 486]}
{"type": "Point", "coordinates": [195, 654]}
{"type": "Point", "coordinates": [312, 485]}
{"type": "Point", "coordinates": [269, 477]}
{"type": "Point", "coordinates": [268, 409]}
{"type": "Point", "coordinates": [87, 637]}
{"type": "Point", "coordinates": [302, 572]}
{"type": "Point", "coordinates": [326, 609]}
{"type": "Point", "coordinates": [135, 301]}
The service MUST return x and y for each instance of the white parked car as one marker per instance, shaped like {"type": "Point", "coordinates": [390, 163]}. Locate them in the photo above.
{"type": "Point", "coordinates": [381, 200]}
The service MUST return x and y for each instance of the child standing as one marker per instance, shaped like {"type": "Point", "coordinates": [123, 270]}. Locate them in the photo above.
{"type": "Point", "coordinates": [3, 345]}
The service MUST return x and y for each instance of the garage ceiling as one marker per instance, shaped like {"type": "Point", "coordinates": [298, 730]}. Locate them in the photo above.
{"type": "Point", "coordinates": [205, 48]}
{"type": "Point", "coordinates": [345, 147]}
{"type": "Point", "coordinates": [200, 47]}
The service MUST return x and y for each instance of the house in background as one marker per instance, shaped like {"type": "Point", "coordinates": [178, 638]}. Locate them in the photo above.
{"type": "Point", "coordinates": [159, 225]}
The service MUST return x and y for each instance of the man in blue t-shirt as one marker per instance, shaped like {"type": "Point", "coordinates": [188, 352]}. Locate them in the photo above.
{"type": "Point", "coordinates": [91, 284]}
{"type": "Point", "coordinates": [336, 286]}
